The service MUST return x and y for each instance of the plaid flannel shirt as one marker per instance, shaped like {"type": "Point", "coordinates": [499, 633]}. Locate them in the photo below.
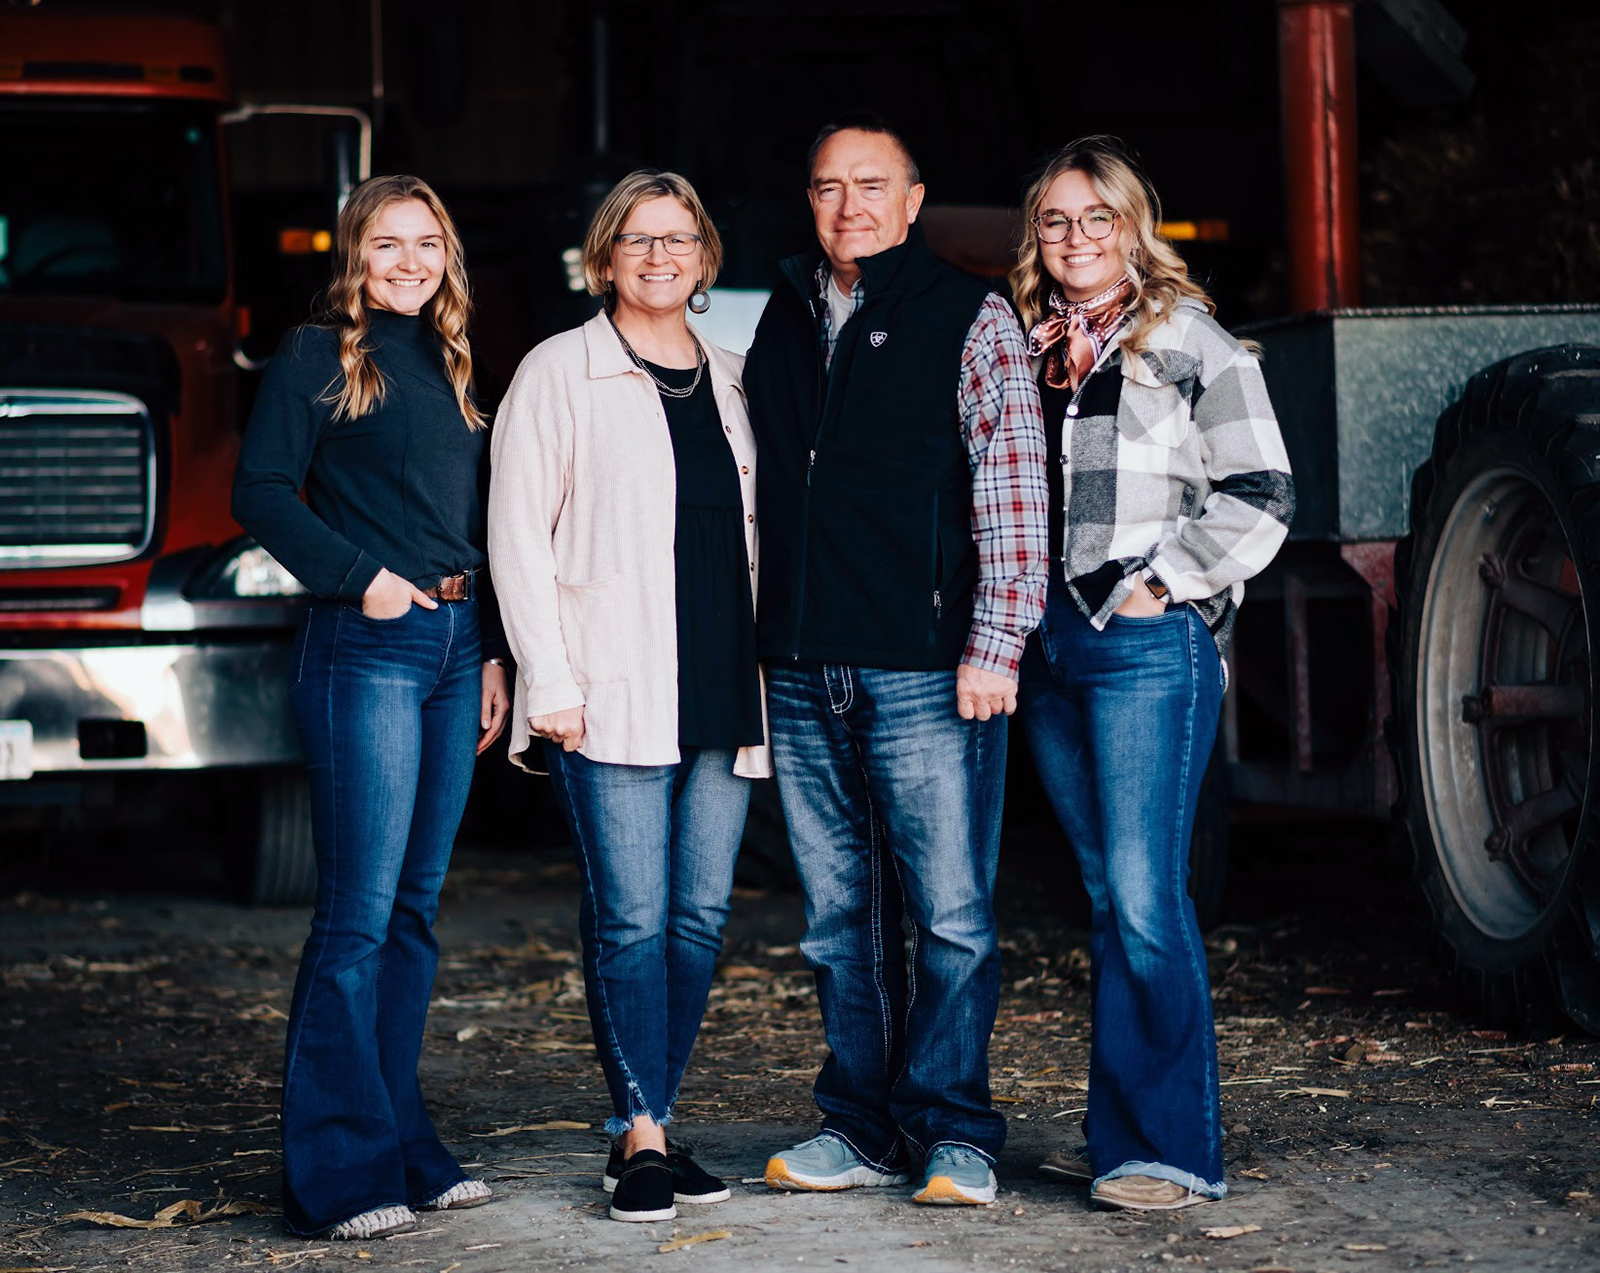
{"type": "Point", "coordinates": [1189, 481]}
{"type": "Point", "coordinates": [1003, 429]}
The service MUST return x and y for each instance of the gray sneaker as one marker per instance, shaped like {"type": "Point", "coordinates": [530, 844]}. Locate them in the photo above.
{"type": "Point", "coordinates": [824, 1163]}
{"type": "Point", "coordinates": [955, 1176]}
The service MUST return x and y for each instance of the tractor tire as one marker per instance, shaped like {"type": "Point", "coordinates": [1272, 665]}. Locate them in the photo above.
{"type": "Point", "coordinates": [275, 859]}
{"type": "Point", "coordinates": [1493, 658]}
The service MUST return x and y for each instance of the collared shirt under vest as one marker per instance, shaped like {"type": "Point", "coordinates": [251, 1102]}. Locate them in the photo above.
{"type": "Point", "coordinates": [866, 483]}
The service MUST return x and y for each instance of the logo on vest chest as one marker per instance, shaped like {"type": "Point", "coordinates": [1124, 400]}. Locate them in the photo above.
{"type": "Point", "coordinates": [877, 338]}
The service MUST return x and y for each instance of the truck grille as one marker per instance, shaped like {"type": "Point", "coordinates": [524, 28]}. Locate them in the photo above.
{"type": "Point", "coordinates": [77, 477]}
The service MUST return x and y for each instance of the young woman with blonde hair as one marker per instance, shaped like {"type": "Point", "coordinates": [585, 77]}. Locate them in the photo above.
{"type": "Point", "coordinates": [393, 687]}
{"type": "Point", "coordinates": [1169, 488]}
{"type": "Point", "coordinates": [623, 533]}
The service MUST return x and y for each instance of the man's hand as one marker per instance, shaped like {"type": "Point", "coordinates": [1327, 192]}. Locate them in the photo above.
{"type": "Point", "coordinates": [564, 727]}
{"type": "Point", "coordinates": [388, 597]}
{"type": "Point", "coordinates": [496, 705]}
{"type": "Point", "coordinates": [981, 694]}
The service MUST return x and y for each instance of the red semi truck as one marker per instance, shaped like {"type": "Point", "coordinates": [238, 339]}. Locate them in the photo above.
{"type": "Point", "coordinates": [142, 635]}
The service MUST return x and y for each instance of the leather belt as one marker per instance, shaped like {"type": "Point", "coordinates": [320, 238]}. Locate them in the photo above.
{"type": "Point", "coordinates": [451, 588]}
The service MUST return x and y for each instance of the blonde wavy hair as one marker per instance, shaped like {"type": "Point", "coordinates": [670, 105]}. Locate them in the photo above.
{"type": "Point", "coordinates": [641, 186]}
{"type": "Point", "coordinates": [344, 307]}
{"type": "Point", "coordinates": [1159, 276]}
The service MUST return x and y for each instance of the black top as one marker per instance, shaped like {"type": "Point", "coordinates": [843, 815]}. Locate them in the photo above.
{"type": "Point", "coordinates": [719, 688]}
{"type": "Point", "coordinates": [1102, 394]}
{"type": "Point", "coordinates": [865, 487]}
{"type": "Point", "coordinates": [398, 487]}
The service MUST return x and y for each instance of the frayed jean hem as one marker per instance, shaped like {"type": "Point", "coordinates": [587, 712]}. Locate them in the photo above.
{"type": "Point", "coordinates": [1161, 1171]}
{"type": "Point", "coordinates": [621, 1126]}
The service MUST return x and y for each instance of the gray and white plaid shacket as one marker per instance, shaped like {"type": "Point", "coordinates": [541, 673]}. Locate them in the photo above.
{"type": "Point", "coordinates": [1190, 479]}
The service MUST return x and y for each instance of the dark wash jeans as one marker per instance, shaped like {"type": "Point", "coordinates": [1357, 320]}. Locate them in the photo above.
{"type": "Point", "coordinates": [893, 806]}
{"type": "Point", "coordinates": [1121, 724]}
{"type": "Point", "coordinates": [656, 846]}
{"type": "Point", "coordinates": [388, 713]}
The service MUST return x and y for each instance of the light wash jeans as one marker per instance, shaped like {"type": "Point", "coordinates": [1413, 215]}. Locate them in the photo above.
{"type": "Point", "coordinates": [893, 805]}
{"type": "Point", "coordinates": [656, 846]}
{"type": "Point", "coordinates": [1121, 724]}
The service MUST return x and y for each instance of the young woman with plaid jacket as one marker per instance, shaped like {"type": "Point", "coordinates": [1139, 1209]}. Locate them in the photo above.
{"type": "Point", "coordinates": [1169, 488]}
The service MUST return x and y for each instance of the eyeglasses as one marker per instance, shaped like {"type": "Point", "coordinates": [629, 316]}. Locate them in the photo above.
{"type": "Point", "coordinates": [1056, 227]}
{"type": "Point", "coordinates": [640, 244]}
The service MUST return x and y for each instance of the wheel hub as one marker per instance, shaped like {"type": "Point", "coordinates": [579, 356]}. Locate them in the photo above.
{"type": "Point", "coordinates": [1504, 702]}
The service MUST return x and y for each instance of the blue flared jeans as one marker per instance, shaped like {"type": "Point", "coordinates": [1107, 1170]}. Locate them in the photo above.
{"type": "Point", "coordinates": [388, 715]}
{"type": "Point", "coordinates": [656, 846]}
{"type": "Point", "coordinates": [1121, 723]}
{"type": "Point", "coordinates": [893, 807]}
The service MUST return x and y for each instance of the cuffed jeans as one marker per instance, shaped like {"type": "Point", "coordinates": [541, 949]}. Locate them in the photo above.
{"type": "Point", "coordinates": [1121, 724]}
{"type": "Point", "coordinates": [893, 806]}
{"type": "Point", "coordinates": [388, 714]}
{"type": "Point", "coordinates": [656, 847]}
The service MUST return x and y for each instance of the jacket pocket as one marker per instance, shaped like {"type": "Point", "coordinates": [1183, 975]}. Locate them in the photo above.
{"type": "Point", "coordinates": [593, 630]}
{"type": "Point", "coordinates": [1153, 415]}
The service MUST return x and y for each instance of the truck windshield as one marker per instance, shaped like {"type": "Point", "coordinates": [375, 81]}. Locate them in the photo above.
{"type": "Point", "coordinates": [105, 199]}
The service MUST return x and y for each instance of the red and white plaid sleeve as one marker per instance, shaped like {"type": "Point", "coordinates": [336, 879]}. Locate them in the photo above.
{"type": "Point", "coordinates": [1004, 431]}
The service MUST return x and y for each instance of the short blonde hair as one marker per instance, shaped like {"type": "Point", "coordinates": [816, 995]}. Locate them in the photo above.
{"type": "Point", "coordinates": [1159, 276]}
{"type": "Point", "coordinates": [639, 187]}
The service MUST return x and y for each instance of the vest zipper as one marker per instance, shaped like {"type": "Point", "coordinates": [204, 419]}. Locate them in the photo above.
{"type": "Point", "coordinates": [805, 498]}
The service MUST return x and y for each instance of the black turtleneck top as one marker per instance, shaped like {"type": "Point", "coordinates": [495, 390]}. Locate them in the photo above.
{"type": "Point", "coordinates": [398, 487]}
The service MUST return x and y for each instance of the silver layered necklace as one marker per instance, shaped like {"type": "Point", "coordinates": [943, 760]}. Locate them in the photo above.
{"type": "Point", "coordinates": [667, 391]}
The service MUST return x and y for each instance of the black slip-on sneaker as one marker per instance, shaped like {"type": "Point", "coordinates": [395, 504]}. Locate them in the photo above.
{"type": "Point", "coordinates": [691, 1183]}
{"type": "Point", "coordinates": [644, 1190]}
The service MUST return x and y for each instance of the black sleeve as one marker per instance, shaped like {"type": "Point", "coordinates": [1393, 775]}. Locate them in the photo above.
{"type": "Point", "coordinates": [279, 443]}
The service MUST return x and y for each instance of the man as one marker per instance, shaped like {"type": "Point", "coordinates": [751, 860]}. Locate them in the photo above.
{"type": "Point", "coordinates": [903, 525]}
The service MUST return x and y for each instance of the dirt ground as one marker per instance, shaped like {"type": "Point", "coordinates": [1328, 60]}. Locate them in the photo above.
{"type": "Point", "coordinates": [1371, 1125]}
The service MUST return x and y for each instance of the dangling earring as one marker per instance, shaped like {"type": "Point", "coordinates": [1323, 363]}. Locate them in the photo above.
{"type": "Point", "coordinates": [701, 300]}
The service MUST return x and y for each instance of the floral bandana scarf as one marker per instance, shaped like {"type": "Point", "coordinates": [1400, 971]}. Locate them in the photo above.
{"type": "Point", "coordinates": [1075, 334]}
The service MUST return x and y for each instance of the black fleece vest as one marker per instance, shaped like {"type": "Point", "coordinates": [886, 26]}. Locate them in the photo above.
{"type": "Point", "coordinates": [864, 490]}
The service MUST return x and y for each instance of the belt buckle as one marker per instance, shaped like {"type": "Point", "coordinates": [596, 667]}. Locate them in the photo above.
{"type": "Point", "coordinates": [456, 587]}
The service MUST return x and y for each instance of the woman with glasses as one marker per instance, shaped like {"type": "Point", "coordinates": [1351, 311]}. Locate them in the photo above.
{"type": "Point", "coordinates": [623, 541]}
{"type": "Point", "coordinates": [1169, 488]}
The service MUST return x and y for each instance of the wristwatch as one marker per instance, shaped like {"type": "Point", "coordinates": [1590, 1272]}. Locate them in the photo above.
{"type": "Point", "coordinates": [1158, 590]}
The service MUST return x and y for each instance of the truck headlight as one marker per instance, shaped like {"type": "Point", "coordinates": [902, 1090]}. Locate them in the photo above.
{"type": "Point", "coordinates": [253, 572]}
{"type": "Point", "coordinates": [236, 586]}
